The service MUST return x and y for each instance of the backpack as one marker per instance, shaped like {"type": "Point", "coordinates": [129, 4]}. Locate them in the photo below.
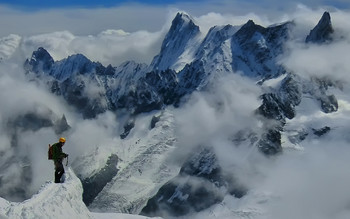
{"type": "Point", "coordinates": [50, 152]}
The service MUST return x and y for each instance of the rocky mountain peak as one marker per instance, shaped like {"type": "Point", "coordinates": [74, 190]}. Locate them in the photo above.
{"type": "Point", "coordinates": [180, 20]}
{"type": "Point", "coordinates": [41, 60]}
{"type": "Point", "coordinates": [41, 54]}
{"type": "Point", "coordinates": [322, 31]}
{"type": "Point", "coordinates": [250, 23]}
{"type": "Point", "coordinates": [248, 30]}
{"type": "Point", "coordinates": [181, 32]}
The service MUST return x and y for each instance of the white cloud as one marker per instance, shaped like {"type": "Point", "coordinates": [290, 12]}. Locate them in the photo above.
{"type": "Point", "coordinates": [312, 184]}
{"type": "Point", "coordinates": [57, 43]}
{"type": "Point", "coordinates": [20, 97]}
{"type": "Point", "coordinates": [319, 60]}
{"type": "Point", "coordinates": [94, 32]}
{"type": "Point", "coordinates": [86, 135]}
{"type": "Point", "coordinates": [24, 96]}
{"type": "Point", "coordinates": [218, 114]}
{"type": "Point", "coordinates": [108, 47]}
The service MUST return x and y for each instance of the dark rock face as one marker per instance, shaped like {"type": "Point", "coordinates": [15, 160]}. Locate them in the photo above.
{"type": "Point", "coordinates": [281, 104]}
{"type": "Point", "coordinates": [41, 61]}
{"type": "Point", "coordinates": [270, 143]}
{"type": "Point", "coordinates": [165, 84]}
{"type": "Point", "coordinates": [191, 77]}
{"type": "Point", "coordinates": [322, 31]}
{"type": "Point", "coordinates": [130, 124]}
{"type": "Point", "coordinates": [288, 96]}
{"type": "Point", "coordinates": [153, 91]}
{"type": "Point", "coordinates": [321, 131]}
{"type": "Point", "coordinates": [140, 100]}
{"type": "Point", "coordinates": [154, 121]}
{"type": "Point", "coordinates": [329, 104]}
{"type": "Point", "coordinates": [197, 187]}
{"type": "Point", "coordinates": [271, 107]}
{"type": "Point", "coordinates": [278, 106]}
{"type": "Point", "coordinates": [256, 48]}
{"type": "Point", "coordinates": [290, 92]}
{"type": "Point", "coordinates": [94, 184]}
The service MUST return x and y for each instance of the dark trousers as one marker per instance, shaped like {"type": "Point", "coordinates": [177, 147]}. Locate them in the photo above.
{"type": "Point", "coordinates": [59, 171]}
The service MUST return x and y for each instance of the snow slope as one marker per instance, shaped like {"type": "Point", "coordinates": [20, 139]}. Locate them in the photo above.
{"type": "Point", "coordinates": [143, 168]}
{"type": "Point", "coordinates": [56, 201]}
{"type": "Point", "coordinates": [52, 201]}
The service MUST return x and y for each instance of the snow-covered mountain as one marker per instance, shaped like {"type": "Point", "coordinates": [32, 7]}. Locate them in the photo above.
{"type": "Point", "coordinates": [178, 44]}
{"type": "Point", "coordinates": [152, 166]}
{"type": "Point", "coordinates": [251, 49]}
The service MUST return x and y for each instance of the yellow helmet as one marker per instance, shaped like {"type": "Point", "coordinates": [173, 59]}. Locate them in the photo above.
{"type": "Point", "coordinates": [63, 140]}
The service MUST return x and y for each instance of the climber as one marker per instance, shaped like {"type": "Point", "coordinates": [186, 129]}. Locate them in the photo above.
{"type": "Point", "coordinates": [58, 156]}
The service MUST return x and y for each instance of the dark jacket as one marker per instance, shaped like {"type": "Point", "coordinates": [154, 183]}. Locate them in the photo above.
{"type": "Point", "coordinates": [57, 154]}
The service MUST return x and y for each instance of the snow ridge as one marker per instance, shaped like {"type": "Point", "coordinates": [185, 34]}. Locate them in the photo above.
{"type": "Point", "coordinates": [53, 201]}
{"type": "Point", "coordinates": [57, 201]}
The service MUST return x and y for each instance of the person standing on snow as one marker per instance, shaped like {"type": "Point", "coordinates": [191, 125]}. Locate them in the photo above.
{"type": "Point", "coordinates": [58, 156]}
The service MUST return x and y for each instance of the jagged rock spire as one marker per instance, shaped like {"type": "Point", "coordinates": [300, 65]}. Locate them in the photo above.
{"type": "Point", "coordinates": [41, 60]}
{"type": "Point", "coordinates": [61, 125]}
{"type": "Point", "coordinates": [182, 30]}
{"type": "Point", "coordinates": [322, 31]}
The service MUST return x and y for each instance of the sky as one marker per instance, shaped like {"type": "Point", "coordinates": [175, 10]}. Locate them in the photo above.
{"type": "Point", "coordinates": [38, 5]}
{"type": "Point", "coordinates": [131, 30]}
{"type": "Point", "coordinates": [34, 16]}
